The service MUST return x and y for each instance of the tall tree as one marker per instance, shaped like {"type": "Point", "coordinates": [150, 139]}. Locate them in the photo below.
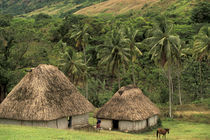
{"type": "Point", "coordinates": [130, 34]}
{"type": "Point", "coordinates": [6, 43]}
{"type": "Point", "coordinates": [165, 50]}
{"type": "Point", "coordinates": [179, 69]}
{"type": "Point", "coordinates": [73, 65]}
{"type": "Point", "coordinates": [114, 53]}
{"type": "Point", "coordinates": [202, 49]}
{"type": "Point", "coordinates": [81, 36]}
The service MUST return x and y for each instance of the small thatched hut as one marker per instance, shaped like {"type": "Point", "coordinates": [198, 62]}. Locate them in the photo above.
{"type": "Point", "coordinates": [45, 97]}
{"type": "Point", "coordinates": [128, 110]}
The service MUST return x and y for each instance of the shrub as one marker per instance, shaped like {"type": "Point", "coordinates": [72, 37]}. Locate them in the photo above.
{"type": "Point", "coordinates": [201, 12]}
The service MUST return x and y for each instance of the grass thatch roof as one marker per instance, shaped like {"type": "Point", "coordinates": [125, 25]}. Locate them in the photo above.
{"type": "Point", "coordinates": [44, 94]}
{"type": "Point", "coordinates": [128, 103]}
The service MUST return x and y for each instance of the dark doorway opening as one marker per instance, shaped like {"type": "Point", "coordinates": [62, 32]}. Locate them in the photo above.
{"type": "Point", "coordinates": [115, 124]}
{"type": "Point", "coordinates": [69, 122]}
{"type": "Point", "coordinates": [147, 121]}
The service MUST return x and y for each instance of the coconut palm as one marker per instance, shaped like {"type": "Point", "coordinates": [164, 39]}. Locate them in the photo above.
{"type": "Point", "coordinates": [80, 35]}
{"type": "Point", "coordinates": [114, 53]}
{"type": "Point", "coordinates": [179, 68]}
{"type": "Point", "coordinates": [73, 65]}
{"type": "Point", "coordinates": [165, 50]}
{"type": "Point", "coordinates": [130, 34]}
{"type": "Point", "coordinates": [202, 49]}
{"type": "Point", "coordinates": [202, 43]}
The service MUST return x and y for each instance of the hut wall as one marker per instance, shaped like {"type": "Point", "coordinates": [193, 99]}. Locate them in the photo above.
{"type": "Point", "coordinates": [51, 124]}
{"type": "Point", "coordinates": [80, 120]}
{"type": "Point", "coordinates": [41, 123]}
{"type": "Point", "coordinates": [27, 123]}
{"type": "Point", "coordinates": [132, 126]}
{"type": "Point", "coordinates": [10, 121]}
{"type": "Point", "coordinates": [106, 124]}
{"type": "Point", "coordinates": [61, 123]}
{"type": "Point", "coordinates": [153, 120]}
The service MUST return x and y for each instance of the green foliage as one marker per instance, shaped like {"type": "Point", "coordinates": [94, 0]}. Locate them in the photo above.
{"type": "Point", "coordinates": [165, 45]}
{"type": "Point", "coordinates": [114, 53]}
{"type": "Point", "coordinates": [5, 20]}
{"type": "Point", "coordinates": [22, 7]}
{"type": "Point", "coordinates": [41, 16]}
{"type": "Point", "coordinates": [99, 94]}
{"type": "Point", "coordinates": [202, 43]}
{"type": "Point", "coordinates": [159, 122]}
{"type": "Point", "coordinates": [201, 12]}
{"type": "Point", "coordinates": [29, 41]}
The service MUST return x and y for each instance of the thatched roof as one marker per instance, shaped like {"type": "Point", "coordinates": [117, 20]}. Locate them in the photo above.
{"type": "Point", "coordinates": [128, 103]}
{"type": "Point", "coordinates": [45, 93]}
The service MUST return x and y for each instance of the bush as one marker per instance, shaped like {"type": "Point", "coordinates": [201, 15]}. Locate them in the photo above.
{"type": "Point", "coordinates": [201, 12]}
{"type": "Point", "coordinates": [159, 122]}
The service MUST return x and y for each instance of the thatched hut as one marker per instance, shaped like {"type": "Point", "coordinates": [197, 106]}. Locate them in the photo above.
{"type": "Point", "coordinates": [45, 97]}
{"type": "Point", "coordinates": [128, 110]}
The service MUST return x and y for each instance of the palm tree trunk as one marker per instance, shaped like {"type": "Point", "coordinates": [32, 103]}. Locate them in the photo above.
{"type": "Point", "coordinates": [201, 88]}
{"type": "Point", "coordinates": [118, 81]}
{"type": "Point", "coordinates": [169, 85]}
{"type": "Point", "coordinates": [86, 78]}
{"type": "Point", "coordinates": [86, 87]}
{"type": "Point", "coordinates": [172, 90]}
{"type": "Point", "coordinates": [179, 87]}
{"type": "Point", "coordinates": [133, 74]}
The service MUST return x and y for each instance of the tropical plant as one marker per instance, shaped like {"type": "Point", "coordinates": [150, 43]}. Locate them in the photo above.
{"type": "Point", "coordinates": [165, 50]}
{"type": "Point", "coordinates": [81, 36]}
{"type": "Point", "coordinates": [202, 49]}
{"type": "Point", "coordinates": [201, 11]}
{"type": "Point", "coordinates": [114, 53]}
{"type": "Point", "coordinates": [73, 65]}
{"type": "Point", "coordinates": [202, 43]}
{"type": "Point", "coordinates": [130, 34]}
{"type": "Point", "coordinates": [179, 68]}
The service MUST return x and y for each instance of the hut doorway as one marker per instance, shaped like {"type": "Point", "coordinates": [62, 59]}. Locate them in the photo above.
{"type": "Point", "coordinates": [115, 124]}
{"type": "Point", "coordinates": [69, 122]}
{"type": "Point", "coordinates": [147, 122]}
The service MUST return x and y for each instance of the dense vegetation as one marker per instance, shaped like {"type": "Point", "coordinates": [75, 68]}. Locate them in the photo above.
{"type": "Point", "coordinates": [16, 7]}
{"type": "Point", "coordinates": [166, 57]}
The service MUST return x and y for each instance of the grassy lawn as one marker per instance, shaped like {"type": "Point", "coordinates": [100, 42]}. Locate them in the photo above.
{"type": "Point", "coordinates": [179, 130]}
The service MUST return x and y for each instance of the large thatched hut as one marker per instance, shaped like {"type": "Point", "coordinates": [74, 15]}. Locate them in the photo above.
{"type": "Point", "coordinates": [45, 97]}
{"type": "Point", "coordinates": [128, 110]}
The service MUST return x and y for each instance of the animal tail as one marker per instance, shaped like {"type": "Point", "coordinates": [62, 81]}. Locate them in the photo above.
{"type": "Point", "coordinates": [157, 134]}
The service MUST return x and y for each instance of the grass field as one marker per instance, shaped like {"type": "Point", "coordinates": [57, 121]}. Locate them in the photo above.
{"type": "Point", "coordinates": [179, 130]}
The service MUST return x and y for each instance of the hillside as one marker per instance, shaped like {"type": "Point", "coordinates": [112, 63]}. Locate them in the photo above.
{"type": "Point", "coordinates": [177, 9]}
{"type": "Point", "coordinates": [96, 7]}
{"type": "Point", "coordinates": [115, 6]}
{"type": "Point", "coordinates": [51, 7]}
{"type": "Point", "coordinates": [15, 7]}
{"type": "Point", "coordinates": [173, 8]}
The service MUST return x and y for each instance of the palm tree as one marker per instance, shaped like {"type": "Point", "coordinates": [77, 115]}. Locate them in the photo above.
{"type": "Point", "coordinates": [73, 65]}
{"type": "Point", "coordinates": [165, 50]}
{"type": "Point", "coordinates": [202, 49]}
{"type": "Point", "coordinates": [114, 53]}
{"type": "Point", "coordinates": [130, 34]}
{"type": "Point", "coordinates": [179, 68]}
{"type": "Point", "coordinates": [202, 43]}
{"type": "Point", "coordinates": [81, 36]}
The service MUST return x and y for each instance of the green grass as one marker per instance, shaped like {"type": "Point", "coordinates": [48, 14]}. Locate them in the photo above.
{"type": "Point", "coordinates": [179, 130]}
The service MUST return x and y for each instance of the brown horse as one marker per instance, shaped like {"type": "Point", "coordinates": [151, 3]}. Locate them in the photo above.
{"type": "Point", "coordinates": [162, 131]}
